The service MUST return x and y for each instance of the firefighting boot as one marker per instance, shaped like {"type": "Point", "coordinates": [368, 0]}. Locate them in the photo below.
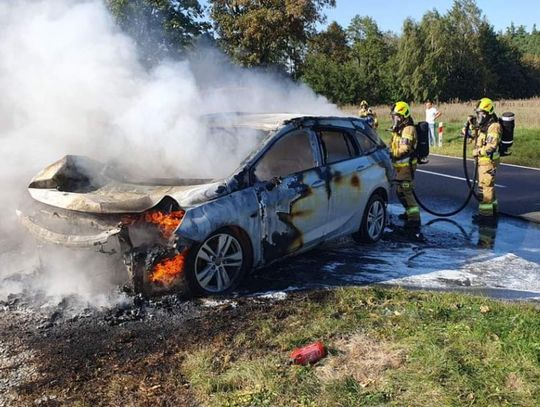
{"type": "Point", "coordinates": [487, 235]}
{"type": "Point", "coordinates": [412, 216]}
{"type": "Point", "coordinates": [413, 224]}
{"type": "Point", "coordinates": [484, 220]}
{"type": "Point", "coordinates": [486, 213]}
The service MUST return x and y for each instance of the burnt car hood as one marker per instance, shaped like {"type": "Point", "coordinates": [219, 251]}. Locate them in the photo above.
{"type": "Point", "coordinates": [81, 184]}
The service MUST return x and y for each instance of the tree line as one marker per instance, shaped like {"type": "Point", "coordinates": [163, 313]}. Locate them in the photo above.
{"type": "Point", "coordinates": [453, 56]}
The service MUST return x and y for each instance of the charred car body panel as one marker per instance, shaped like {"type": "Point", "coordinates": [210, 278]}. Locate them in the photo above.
{"type": "Point", "coordinates": [80, 184]}
{"type": "Point", "coordinates": [309, 181]}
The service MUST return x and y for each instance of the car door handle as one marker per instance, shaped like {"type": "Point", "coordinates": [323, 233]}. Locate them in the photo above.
{"type": "Point", "coordinates": [363, 167]}
{"type": "Point", "coordinates": [317, 184]}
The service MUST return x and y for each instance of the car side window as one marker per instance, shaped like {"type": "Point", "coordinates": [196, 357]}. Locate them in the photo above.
{"type": "Point", "coordinates": [337, 146]}
{"type": "Point", "coordinates": [290, 154]}
{"type": "Point", "coordinates": [366, 144]}
{"type": "Point", "coordinates": [371, 134]}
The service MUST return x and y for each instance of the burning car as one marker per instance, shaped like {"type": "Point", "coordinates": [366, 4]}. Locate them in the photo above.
{"type": "Point", "coordinates": [308, 180]}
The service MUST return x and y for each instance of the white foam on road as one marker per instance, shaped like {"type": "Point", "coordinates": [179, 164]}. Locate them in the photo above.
{"type": "Point", "coordinates": [441, 268]}
{"type": "Point", "coordinates": [507, 272]}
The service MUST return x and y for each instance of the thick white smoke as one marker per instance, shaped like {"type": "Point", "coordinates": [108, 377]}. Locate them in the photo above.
{"type": "Point", "coordinates": [71, 83]}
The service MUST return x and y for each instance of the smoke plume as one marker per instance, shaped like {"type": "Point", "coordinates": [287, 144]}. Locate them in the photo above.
{"type": "Point", "coordinates": [71, 83]}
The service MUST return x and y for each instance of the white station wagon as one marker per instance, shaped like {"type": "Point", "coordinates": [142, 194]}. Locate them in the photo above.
{"type": "Point", "coordinates": [309, 179]}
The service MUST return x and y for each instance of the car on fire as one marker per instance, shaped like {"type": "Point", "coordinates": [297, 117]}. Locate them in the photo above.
{"type": "Point", "coordinates": [309, 179]}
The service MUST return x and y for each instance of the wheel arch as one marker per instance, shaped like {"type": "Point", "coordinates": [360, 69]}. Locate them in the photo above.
{"type": "Point", "coordinates": [361, 236]}
{"type": "Point", "coordinates": [382, 192]}
{"type": "Point", "coordinates": [238, 211]}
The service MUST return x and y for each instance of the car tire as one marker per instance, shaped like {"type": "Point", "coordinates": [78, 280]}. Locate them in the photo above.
{"type": "Point", "coordinates": [373, 221]}
{"type": "Point", "coordinates": [217, 265]}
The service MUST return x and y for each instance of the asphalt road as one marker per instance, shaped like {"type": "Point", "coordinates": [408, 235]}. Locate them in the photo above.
{"type": "Point", "coordinates": [442, 181]}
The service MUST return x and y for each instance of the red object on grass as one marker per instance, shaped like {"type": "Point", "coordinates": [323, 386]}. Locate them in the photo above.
{"type": "Point", "coordinates": [308, 354]}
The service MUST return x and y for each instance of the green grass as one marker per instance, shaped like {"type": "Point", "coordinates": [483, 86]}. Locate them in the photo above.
{"type": "Point", "coordinates": [405, 348]}
{"type": "Point", "coordinates": [525, 151]}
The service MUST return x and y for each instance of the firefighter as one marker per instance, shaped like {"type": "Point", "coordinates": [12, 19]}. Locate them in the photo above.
{"type": "Point", "coordinates": [366, 112]}
{"type": "Point", "coordinates": [487, 132]}
{"type": "Point", "coordinates": [402, 150]}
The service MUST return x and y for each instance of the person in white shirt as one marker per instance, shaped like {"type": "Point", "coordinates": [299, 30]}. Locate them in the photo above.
{"type": "Point", "coordinates": [432, 114]}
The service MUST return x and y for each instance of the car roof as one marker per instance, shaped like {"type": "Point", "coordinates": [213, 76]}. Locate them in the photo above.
{"type": "Point", "coordinates": [262, 121]}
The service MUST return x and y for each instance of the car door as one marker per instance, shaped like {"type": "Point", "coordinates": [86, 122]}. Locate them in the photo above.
{"type": "Point", "coordinates": [293, 202]}
{"type": "Point", "coordinates": [349, 171]}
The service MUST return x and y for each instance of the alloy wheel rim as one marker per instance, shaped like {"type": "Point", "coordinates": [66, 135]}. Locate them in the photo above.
{"type": "Point", "coordinates": [375, 220]}
{"type": "Point", "coordinates": [218, 262]}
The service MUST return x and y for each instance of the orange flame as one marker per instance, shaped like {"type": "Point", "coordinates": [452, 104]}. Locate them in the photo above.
{"type": "Point", "coordinates": [167, 222]}
{"type": "Point", "coordinates": [167, 270]}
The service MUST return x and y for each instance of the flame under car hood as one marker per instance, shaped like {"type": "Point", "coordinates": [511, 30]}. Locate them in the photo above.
{"type": "Point", "coordinates": [80, 184]}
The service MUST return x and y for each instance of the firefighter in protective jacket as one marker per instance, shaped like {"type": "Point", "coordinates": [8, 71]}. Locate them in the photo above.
{"type": "Point", "coordinates": [402, 150]}
{"type": "Point", "coordinates": [488, 133]}
{"type": "Point", "coordinates": [366, 112]}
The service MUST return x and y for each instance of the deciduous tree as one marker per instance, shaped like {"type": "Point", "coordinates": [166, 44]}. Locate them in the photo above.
{"type": "Point", "coordinates": [267, 32]}
{"type": "Point", "coordinates": [160, 27]}
{"type": "Point", "coordinates": [372, 51]}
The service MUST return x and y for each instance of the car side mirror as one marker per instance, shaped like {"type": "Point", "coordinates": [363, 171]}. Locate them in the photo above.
{"type": "Point", "coordinates": [274, 182]}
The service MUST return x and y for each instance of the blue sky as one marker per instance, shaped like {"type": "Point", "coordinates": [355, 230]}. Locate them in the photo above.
{"type": "Point", "coordinates": [389, 14]}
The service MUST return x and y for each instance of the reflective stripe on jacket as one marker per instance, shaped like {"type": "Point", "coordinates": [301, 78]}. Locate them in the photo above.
{"type": "Point", "coordinates": [403, 146]}
{"type": "Point", "coordinates": [405, 162]}
{"type": "Point", "coordinates": [487, 144]}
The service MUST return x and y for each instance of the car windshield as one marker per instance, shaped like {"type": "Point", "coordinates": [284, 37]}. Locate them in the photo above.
{"type": "Point", "coordinates": [228, 147]}
{"type": "Point", "coordinates": [217, 152]}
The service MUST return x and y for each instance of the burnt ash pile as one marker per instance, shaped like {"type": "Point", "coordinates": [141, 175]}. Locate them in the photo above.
{"type": "Point", "coordinates": [54, 354]}
{"type": "Point", "coordinates": [41, 313]}
{"type": "Point", "coordinates": [50, 350]}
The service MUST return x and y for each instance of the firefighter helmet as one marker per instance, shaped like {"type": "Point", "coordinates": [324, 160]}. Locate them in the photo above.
{"type": "Point", "coordinates": [485, 105]}
{"type": "Point", "coordinates": [485, 111]}
{"type": "Point", "coordinates": [401, 109]}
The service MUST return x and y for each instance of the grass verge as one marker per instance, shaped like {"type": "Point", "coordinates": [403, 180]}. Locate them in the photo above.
{"type": "Point", "coordinates": [387, 346]}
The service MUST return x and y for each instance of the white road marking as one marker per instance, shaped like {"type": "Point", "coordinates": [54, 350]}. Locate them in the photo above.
{"type": "Point", "coordinates": [521, 166]}
{"type": "Point", "coordinates": [453, 177]}
{"type": "Point", "coordinates": [470, 159]}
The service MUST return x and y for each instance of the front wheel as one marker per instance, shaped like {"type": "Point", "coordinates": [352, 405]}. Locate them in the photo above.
{"type": "Point", "coordinates": [373, 221]}
{"type": "Point", "coordinates": [217, 265]}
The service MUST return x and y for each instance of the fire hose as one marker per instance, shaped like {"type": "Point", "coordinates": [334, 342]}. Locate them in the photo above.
{"type": "Point", "coordinates": [471, 184]}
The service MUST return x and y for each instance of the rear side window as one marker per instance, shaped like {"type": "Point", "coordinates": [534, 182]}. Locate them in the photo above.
{"type": "Point", "coordinates": [336, 145]}
{"type": "Point", "coordinates": [372, 134]}
{"type": "Point", "coordinates": [366, 144]}
{"type": "Point", "coordinates": [290, 154]}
